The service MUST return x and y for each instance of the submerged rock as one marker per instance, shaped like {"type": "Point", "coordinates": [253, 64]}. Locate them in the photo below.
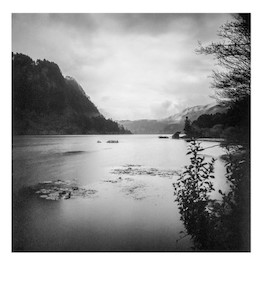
{"type": "Point", "coordinates": [176, 135]}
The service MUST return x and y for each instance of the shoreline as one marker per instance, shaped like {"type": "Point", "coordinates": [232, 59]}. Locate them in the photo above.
{"type": "Point", "coordinates": [211, 139]}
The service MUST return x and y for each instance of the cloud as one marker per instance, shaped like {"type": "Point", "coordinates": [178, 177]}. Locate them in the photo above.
{"type": "Point", "coordinates": [165, 108]}
{"type": "Point", "coordinates": [131, 65]}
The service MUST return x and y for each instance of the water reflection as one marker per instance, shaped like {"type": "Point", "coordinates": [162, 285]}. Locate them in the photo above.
{"type": "Point", "coordinates": [132, 211]}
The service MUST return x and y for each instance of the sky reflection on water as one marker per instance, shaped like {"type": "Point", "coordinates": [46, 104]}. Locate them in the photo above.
{"type": "Point", "coordinates": [128, 211]}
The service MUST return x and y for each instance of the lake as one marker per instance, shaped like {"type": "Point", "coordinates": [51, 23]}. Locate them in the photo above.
{"type": "Point", "coordinates": [120, 195]}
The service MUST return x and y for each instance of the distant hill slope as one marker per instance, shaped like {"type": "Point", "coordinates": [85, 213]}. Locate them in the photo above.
{"type": "Point", "coordinates": [194, 112]}
{"type": "Point", "coordinates": [173, 123]}
{"type": "Point", "coordinates": [46, 102]}
{"type": "Point", "coordinates": [177, 121]}
{"type": "Point", "coordinates": [143, 126]}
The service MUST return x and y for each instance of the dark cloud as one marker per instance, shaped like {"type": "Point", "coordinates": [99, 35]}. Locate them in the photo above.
{"type": "Point", "coordinates": [130, 23]}
{"type": "Point", "coordinates": [86, 22]}
{"type": "Point", "coordinates": [137, 23]}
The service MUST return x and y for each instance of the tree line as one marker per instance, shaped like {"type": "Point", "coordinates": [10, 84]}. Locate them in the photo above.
{"type": "Point", "coordinates": [221, 224]}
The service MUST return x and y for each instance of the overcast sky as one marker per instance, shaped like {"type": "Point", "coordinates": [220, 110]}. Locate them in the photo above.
{"type": "Point", "coordinates": [133, 66]}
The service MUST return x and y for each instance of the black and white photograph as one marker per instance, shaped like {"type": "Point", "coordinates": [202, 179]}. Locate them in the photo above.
{"type": "Point", "coordinates": [131, 132]}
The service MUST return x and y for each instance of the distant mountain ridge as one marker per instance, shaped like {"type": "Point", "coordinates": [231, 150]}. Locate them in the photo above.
{"type": "Point", "coordinates": [46, 102]}
{"type": "Point", "coordinates": [194, 112]}
{"type": "Point", "coordinates": [173, 123]}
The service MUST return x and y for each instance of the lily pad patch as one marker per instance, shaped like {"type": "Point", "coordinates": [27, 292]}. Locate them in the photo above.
{"type": "Point", "coordinates": [61, 190]}
{"type": "Point", "coordinates": [133, 170]}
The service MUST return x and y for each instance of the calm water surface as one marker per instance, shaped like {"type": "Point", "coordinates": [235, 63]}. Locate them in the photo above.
{"type": "Point", "coordinates": [127, 211]}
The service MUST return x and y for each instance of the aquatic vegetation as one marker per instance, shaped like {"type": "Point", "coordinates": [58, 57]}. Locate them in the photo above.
{"type": "Point", "coordinates": [139, 170]}
{"type": "Point", "coordinates": [61, 190]}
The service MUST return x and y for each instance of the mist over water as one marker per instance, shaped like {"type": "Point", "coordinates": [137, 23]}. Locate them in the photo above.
{"type": "Point", "coordinates": [129, 203]}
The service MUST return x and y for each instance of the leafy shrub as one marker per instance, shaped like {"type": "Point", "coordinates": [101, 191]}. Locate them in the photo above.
{"type": "Point", "coordinates": [214, 224]}
{"type": "Point", "coordinates": [192, 191]}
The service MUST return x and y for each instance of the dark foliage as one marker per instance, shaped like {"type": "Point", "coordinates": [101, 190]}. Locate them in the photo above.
{"type": "Point", "coordinates": [44, 102]}
{"type": "Point", "coordinates": [192, 191]}
{"type": "Point", "coordinates": [215, 224]}
{"type": "Point", "coordinates": [232, 83]}
{"type": "Point", "coordinates": [208, 121]}
{"type": "Point", "coordinates": [187, 128]}
{"type": "Point", "coordinates": [222, 224]}
{"type": "Point", "coordinates": [233, 125]}
{"type": "Point", "coordinates": [233, 54]}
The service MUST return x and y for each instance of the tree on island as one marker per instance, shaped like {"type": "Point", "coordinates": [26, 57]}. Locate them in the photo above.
{"type": "Point", "coordinates": [188, 128]}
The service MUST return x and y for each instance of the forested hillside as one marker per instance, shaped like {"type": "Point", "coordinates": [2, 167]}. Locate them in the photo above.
{"type": "Point", "coordinates": [46, 102]}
